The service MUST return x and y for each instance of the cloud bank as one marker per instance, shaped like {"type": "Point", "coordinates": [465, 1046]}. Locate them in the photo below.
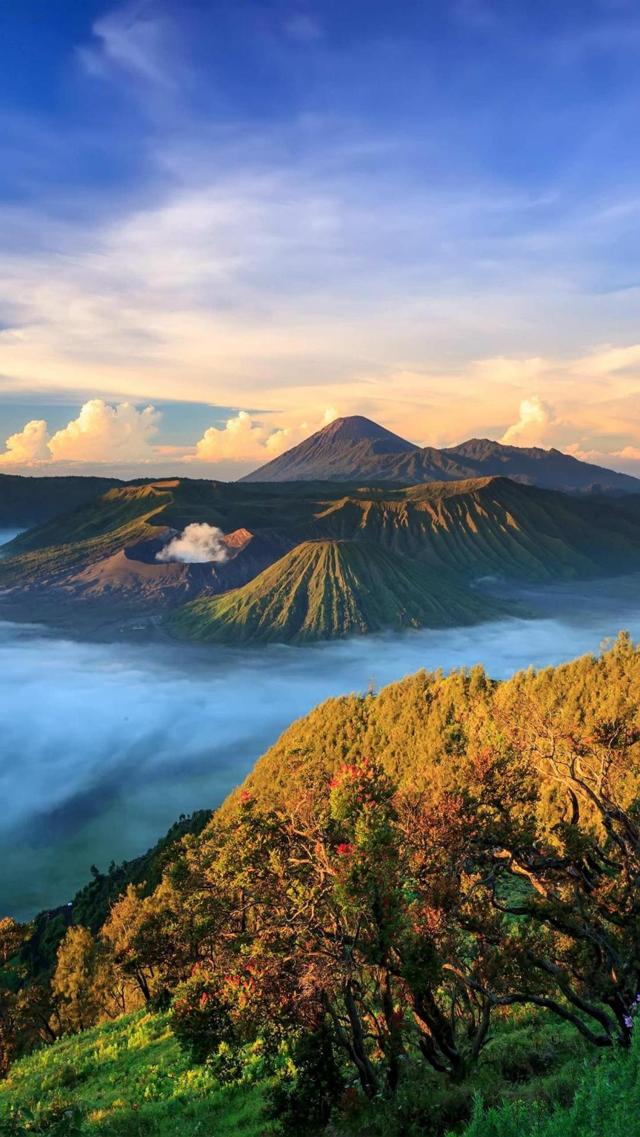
{"type": "Point", "coordinates": [105, 745]}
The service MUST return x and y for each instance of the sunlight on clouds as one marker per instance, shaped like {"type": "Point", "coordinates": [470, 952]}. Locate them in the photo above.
{"type": "Point", "coordinates": [240, 438]}
{"type": "Point", "coordinates": [100, 434]}
{"type": "Point", "coordinates": [28, 447]}
{"type": "Point", "coordinates": [244, 439]}
{"type": "Point", "coordinates": [532, 427]}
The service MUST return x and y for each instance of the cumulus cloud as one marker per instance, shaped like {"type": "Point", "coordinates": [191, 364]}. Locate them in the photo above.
{"type": "Point", "coordinates": [533, 423]}
{"type": "Point", "coordinates": [240, 438]}
{"type": "Point", "coordinates": [28, 447]}
{"type": "Point", "coordinates": [244, 439]}
{"type": "Point", "coordinates": [632, 453]}
{"type": "Point", "coordinates": [105, 433]}
{"type": "Point", "coordinates": [198, 544]}
{"type": "Point", "coordinates": [101, 433]}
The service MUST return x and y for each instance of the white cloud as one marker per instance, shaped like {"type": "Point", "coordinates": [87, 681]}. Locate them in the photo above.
{"type": "Point", "coordinates": [132, 40]}
{"type": "Point", "coordinates": [101, 434]}
{"type": "Point", "coordinates": [244, 439]}
{"type": "Point", "coordinates": [104, 433]}
{"type": "Point", "coordinates": [198, 544]}
{"type": "Point", "coordinates": [28, 447]}
{"type": "Point", "coordinates": [241, 438]}
{"type": "Point", "coordinates": [532, 426]}
{"type": "Point", "coordinates": [632, 453]}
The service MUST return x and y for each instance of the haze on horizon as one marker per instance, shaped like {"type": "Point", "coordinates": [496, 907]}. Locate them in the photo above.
{"type": "Point", "coordinates": [225, 224]}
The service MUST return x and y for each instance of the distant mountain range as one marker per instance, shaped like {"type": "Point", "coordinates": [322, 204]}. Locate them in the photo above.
{"type": "Point", "coordinates": [28, 501]}
{"type": "Point", "coordinates": [355, 449]}
{"type": "Point", "coordinates": [306, 560]}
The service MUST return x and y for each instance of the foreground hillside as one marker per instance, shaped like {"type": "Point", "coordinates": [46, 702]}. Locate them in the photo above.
{"type": "Point", "coordinates": [127, 1079]}
{"type": "Point", "coordinates": [419, 914]}
{"type": "Point", "coordinates": [407, 556]}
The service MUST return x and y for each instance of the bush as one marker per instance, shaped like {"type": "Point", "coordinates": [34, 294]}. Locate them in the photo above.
{"type": "Point", "coordinates": [302, 1100]}
{"type": "Point", "coordinates": [200, 1020]}
{"type": "Point", "coordinates": [55, 1119]}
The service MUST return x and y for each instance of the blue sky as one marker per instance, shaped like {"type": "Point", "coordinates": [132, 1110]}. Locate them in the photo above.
{"type": "Point", "coordinates": [265, 214]}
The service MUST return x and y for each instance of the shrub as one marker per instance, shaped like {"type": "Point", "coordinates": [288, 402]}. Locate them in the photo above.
{"type": "Point", "coordinates": [302, 1099]}
{"type": "Point", "coordinates": [200, 1020]}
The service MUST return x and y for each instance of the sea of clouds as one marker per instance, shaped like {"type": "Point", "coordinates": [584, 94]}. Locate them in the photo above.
{"type": "Point", "coordinates": [103, 746]}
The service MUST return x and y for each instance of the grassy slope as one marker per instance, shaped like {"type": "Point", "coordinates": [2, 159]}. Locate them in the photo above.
{"type": "Point", "coordinates": [128, 1078]}
{"type": "Point", "coordinates": [606, 1102]}
{"type": "Point", "coordinates": [495, 526]}
{"type": "Point", "coordinates": [326, 589]}
{"type": "Point", "coordinates": [94, 531]}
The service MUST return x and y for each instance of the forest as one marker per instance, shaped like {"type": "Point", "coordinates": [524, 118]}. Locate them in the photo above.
{"type": "Point", "coordinates": [406, 877]}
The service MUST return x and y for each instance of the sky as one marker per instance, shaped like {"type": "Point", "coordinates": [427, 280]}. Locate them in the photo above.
{"type": "Point", "coordinates": [225, 222]}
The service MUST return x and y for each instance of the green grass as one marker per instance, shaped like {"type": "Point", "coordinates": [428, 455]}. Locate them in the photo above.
{"type": "Point", "coordinates": [606, 1103]}
{"type": "Point", "coordinates": [128, 1078]}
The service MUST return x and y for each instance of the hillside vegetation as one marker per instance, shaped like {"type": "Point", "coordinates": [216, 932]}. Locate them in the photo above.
{"type": "Point", "coordinates": [419, 913]}
{"type": "Point", "coordinates": [128, 1078]}
{"type": "Point", "coordinates": [26, 501]}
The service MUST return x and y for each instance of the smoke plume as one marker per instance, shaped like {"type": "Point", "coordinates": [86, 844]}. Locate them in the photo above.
{"type": "Point", "coordinates": [198, 544]}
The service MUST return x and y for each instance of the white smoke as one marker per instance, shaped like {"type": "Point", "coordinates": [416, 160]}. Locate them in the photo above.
{"type": "Point", "coordinates": [198, 544]}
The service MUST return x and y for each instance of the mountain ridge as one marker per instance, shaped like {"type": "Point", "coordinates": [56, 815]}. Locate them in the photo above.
{"type": "Point", "coordinates": [99, 563]}
{"type": "Point", "coordinates": [356, 448]}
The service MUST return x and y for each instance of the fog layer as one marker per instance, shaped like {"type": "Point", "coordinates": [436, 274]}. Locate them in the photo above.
{"type": "Point", "coordinates": [103, 746]}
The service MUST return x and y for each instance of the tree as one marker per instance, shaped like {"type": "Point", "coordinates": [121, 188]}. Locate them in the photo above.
{"type": "Point", "coordinates": [75, 978]}
{"type": "Point", "coordinates": [567, 868]}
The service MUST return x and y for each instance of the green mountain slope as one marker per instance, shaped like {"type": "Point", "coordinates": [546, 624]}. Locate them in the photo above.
{"type": "Point", "coordinates": [327, 589]}
{"type": "Point", "coordinates": [494, 526]}
{"type": "Point", "coordinates": [478, 526]}
{"type": "Point", "coordinates": [105, 552]}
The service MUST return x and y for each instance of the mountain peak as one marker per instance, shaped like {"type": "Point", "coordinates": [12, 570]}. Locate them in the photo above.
{"type": "Point", "coordinates": [357, 450]}
{"type": "Point", "coordinates": [343, 449]}
{"type": "Point", "coordinates": [357, 428]}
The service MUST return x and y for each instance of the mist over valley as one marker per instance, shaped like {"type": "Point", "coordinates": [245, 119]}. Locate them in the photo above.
{"type": "Point", "coordinates": [105, 745]}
